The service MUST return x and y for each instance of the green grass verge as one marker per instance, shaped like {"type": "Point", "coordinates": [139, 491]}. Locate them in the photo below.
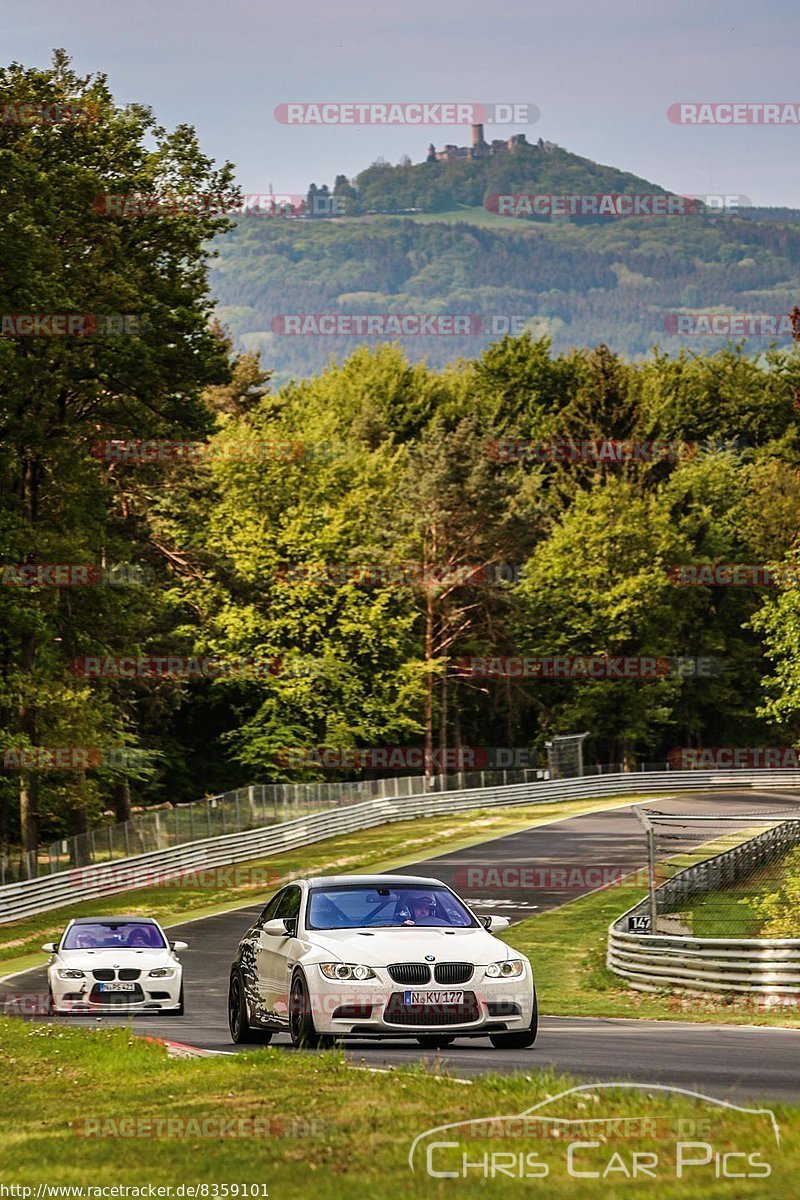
{"type": "Point", "coordinates": [331, 1131]}
{"type": "Point", "coordinates": [381, 848]}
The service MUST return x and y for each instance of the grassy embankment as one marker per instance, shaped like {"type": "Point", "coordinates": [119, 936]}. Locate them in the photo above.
{"type": "Point", "coordinates": [309, 1124]}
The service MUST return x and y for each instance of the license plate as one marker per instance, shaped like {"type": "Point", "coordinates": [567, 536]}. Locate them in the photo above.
{"type": "Point", "coordinates": [116, 987]}
{"type": "Point", "coordinates": [433, 997]}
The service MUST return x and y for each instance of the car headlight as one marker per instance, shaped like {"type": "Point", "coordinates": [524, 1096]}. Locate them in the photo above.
{"type": "Point", "coordinates": [351, 971]}
{"type": "Point", "coordinates": [69, 973]}
{"type": "Point", "coordinates": [161, 973]}
{"type": "Point", "coordinates": [509, 968]}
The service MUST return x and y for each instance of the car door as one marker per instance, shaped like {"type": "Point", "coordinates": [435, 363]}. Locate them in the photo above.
{"type": "Point", "coordinates": [250, 962]}
{"type": "Point", "coordinates": [277, 956]}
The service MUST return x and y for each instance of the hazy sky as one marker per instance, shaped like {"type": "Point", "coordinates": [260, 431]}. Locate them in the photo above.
{"type": "Point", "coordinates": [602, 74]}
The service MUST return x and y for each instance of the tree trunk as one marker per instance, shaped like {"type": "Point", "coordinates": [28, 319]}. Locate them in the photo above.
{"type": "Point", "coordinates": [121, 802]}
{"type": "Point", "coordinates": [80, 845]}
{"type": "Point", "coordinates": [28, 782]}
{"type": "Point", "coordinates": [443, 724]}
{"type": "Point", "coordinates": [429, 621]}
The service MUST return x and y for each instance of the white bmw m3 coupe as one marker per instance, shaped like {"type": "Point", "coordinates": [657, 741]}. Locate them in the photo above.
{"type": "Point", "coordinates": [378, 956]}
{"type": "Point", "coordinates": [114, 964]}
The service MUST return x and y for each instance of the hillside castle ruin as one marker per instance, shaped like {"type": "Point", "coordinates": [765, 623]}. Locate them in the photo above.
{"type": "Point", "coordinates": [480, 148]}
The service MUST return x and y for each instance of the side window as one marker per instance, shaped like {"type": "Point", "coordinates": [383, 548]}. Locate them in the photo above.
{"type": "Point", "coordinates": [289, 903]}
{"type": "Point", "coordinates": [271, 910]}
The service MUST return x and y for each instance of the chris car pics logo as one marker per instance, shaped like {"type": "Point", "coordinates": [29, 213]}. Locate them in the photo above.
{"type": "Point", "coordinates": [612, 1132]}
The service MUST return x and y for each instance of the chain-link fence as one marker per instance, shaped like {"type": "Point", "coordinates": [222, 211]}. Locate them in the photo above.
{"type": "Point", "coordinates": [725, 878]}
{"type": "Point", "coordinates": [231, 812]}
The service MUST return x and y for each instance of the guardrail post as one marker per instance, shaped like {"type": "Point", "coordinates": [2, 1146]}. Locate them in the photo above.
{"type": "Point", "coordinates": [651, 867]}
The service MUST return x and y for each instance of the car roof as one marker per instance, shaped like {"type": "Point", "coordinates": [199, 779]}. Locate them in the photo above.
{"type": "Point", "coordinates": [372, 880]}
{"type": "Point", "coordinates": [112, 920]}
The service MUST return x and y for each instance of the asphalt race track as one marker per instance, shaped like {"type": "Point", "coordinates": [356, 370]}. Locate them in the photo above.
{"type": "Point", "coordinates": [743, 1063]}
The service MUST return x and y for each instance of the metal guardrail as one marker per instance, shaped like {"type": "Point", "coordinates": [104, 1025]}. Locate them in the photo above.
{"type": "Point", "coordinates": [762, 966]}
{"type": "Point", "coordinates": [31, 896]}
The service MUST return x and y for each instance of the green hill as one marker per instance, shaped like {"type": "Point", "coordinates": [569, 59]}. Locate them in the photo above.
{"type": "Point", "coordinates": [579, 280]}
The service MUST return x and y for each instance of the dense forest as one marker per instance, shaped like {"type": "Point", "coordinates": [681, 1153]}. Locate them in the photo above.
{"type": "Point", "coordinates": [337, 547]}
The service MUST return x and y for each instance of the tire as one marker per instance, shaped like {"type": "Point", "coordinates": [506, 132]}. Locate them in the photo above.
{"type": "Point", "coordinates": [434, 1041]}
{"type": "Point", "coordinates": [179, 1011]}
{"type": "Point", "coordinates": [301, 1021]}
{"type": "Point", "coordinates": [51, 1006]}
{"type": "Point", "coordinates": [522, 1039]}
{"type": "Point", "coordinates": [242, 1032]}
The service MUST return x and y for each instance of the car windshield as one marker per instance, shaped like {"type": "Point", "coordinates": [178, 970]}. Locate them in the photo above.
{"type": "Point", "coordinates": [400, 907]}
{"type": "Point", "coordinates": [114, 935]}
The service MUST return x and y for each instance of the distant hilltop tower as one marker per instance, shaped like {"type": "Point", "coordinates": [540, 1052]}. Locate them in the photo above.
{"type": "Point", "coordinates": [477, 138]}
{"type": "Point", "coordinates": [479, 148]}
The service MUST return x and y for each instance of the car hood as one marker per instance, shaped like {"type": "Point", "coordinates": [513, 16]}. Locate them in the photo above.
{"type": "Point", "coordinates": [93, 960]}
{"type": "Point", "coordinates": [381, 947]}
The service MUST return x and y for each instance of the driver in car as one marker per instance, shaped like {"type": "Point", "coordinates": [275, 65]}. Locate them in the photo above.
{"type": "Point", "coordinates": [421, 909]}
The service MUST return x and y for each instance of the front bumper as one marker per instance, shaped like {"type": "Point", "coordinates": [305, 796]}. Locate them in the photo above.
{"type": "Point", "coordinates": [84, 996]}
{"type": "Point", "coordinates": [380, 1009]}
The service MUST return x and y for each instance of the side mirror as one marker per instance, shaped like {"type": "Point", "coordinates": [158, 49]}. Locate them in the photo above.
{"type": "Point", "coordinates": [277, 927]}
{"type": "Point", "coordinates": [50, 947]}
{"type": "Point", "coordinates": [177, 946]}
{"type": "Point", "coordinates": [496, 924]}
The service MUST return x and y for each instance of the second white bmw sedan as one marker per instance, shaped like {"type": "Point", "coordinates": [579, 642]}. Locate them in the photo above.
{"type": "Point", "coordinates": [378, 956]}
{"type": "Point", "coordinates": [114, 964]}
